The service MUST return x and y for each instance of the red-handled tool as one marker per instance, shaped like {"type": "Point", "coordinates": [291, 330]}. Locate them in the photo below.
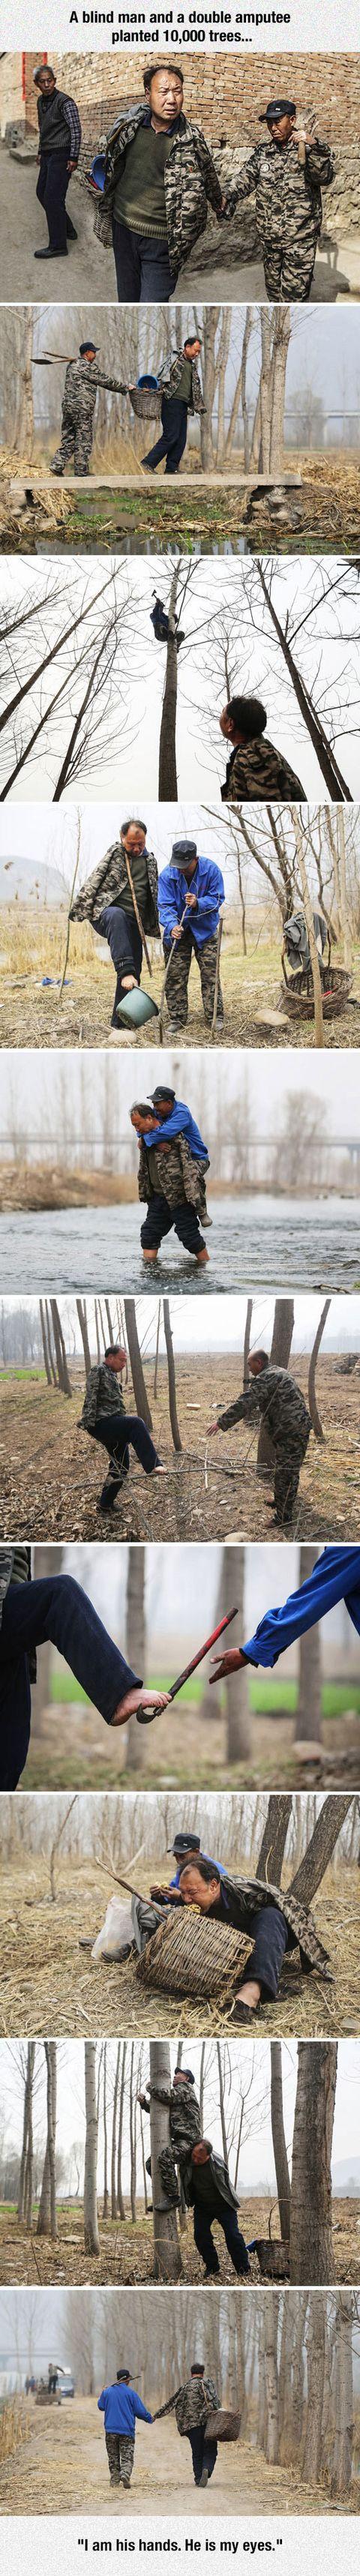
{"type": "Point", "coordinates": [144, 1715]}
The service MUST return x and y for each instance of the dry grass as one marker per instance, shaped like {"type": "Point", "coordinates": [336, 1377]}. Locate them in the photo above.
{"type": "Point", "coordinates": [52, 1473]}
{"type": "Point", "coordinates": [32, 945]}
{"type": "Point", "coordinates": [49, 1984]}
{"type": "Point", "coordinates": [127, 2251]}
{"type": "Point", "coordinates": [66, 2471]}
{"type": "Point", "coordinates": [14, 2427]}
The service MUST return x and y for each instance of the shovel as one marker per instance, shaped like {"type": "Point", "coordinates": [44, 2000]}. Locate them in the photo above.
{"type": "Point", "coordinates": [184, 917]}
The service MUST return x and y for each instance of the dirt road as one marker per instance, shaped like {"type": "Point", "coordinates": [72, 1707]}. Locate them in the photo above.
{"type": "Point", "coordinates": [63, 2469]}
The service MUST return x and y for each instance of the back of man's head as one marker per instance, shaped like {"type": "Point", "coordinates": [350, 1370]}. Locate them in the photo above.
{"type": "Point", "coordinates": [259, 1360]}
{"type": "Point", "coordinates": [197, 2369]}
{"type": "Point", "coordinates": [124, 2374]}
{"type": "Point", "coordinates": [249, 717]}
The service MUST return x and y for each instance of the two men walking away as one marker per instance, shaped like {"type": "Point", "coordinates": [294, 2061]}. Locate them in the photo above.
{"type": "Point", "coordinates": [193, 2403]}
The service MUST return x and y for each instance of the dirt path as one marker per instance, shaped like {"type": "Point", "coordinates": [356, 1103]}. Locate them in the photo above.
{"type": "Point", "coordinates": [63, 2469]}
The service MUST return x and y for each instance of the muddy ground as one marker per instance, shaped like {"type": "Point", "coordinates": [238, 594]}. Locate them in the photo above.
{"type": "Point", "coordinates": [48, 1982]}
{"type": "Point", "coordinates": [51, 1474]}
{"type": "Point", "coordinates": [127, 2251]}
{"type": "Point", "coordinates": [31, 1014]}
{"type": "Point", "coordinates": [63, 2468]}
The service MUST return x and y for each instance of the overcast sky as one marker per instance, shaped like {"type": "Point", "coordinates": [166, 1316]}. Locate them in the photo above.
{"type": "Point", "coordinates": [40, 843]}
{"type": "Point", "coordinates": [220, 1324]}
{"type": "Point", "coordinates": [328, 656]}
{"type": "Point", "coordinates": [324, 353]}
{"type": "Point", "coordinates": [205, 1081]}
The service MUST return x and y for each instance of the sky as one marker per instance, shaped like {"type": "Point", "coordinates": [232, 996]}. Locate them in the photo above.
{"type": "Point", "coordinates": [38, 847]}
{"type": "Point", "coordinates": [256, 2160]}
{"type": "Point", "coordinates": [220, 1325]}
{"type": "Point", "coordinates": [324, 352]}
{"type": "Point", "coordinates": [206, 1082]}
{"type": "Point", "coordinates": [257, 665]}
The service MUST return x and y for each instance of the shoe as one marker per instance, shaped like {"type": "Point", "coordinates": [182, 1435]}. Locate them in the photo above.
{"type": "Point", "coordinates": [214, 2275]}
{"type": "Point", "coordinates": [50, 254]}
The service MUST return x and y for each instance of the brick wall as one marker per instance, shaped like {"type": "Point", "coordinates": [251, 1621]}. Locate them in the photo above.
{"type": "Point", "coordinates": [225, 93]}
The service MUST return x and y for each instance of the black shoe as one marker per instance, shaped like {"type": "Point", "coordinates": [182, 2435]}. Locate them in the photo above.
{"type": "Point", "coordinates": [50, 254]}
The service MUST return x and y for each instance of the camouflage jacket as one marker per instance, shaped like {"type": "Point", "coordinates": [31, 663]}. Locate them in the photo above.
{"type": "Point", "coordinates": [192, 2403]}
{"type": "Point", "coordinates": [276, 1396]}
{"type": "Point", "coordinates": [169, 377]}
{"type": "Point", "coordinates": [185, 2131]}
{"type": "Point", "coordinates": [245, 1897]}
{"type": "Point", "coordinates": [7, 1557]}
{"type": "Point", "coordinates": [178, 1175]}
{"type": "Point", "coordinates": [256, 773]}
{"type": "Point", "coordinates": [81, 386]}
{"type": "Point", "coordinates": [106, 885]}
{"type": "Point", "coordinates": [287, 190]}
{"type": "Point", "coordinates": [191, 182]}
{"type": "Point", "coordinates": [103, 1395]}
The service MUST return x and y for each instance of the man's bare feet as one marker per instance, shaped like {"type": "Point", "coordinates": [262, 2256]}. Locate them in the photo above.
{"type": "Point", "coordinates": [138, 1698]}
{"type": "Point", "coordinates": [249, 1994]}
{"type": "Point", "coordinates": [201, 1257]}
{"type": "Point", "coordinates": [149, 1256]}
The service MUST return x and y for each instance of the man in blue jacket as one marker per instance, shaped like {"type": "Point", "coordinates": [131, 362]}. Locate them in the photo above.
{"type": "Point", "coordinates": [120, 2405]}
{"type": "Point", "coordinates": [197, 885]}
{"type": "Point", "coordinates": [335, 1577]}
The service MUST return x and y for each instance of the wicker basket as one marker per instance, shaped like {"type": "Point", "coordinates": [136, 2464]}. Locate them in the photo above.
{"type": "Point", "coordinates": [299, 994]}
{"type": "Point", "coordinates": [146, 402]}
{"type": "Point", "coordinates": [190, 1956]}
{"type": "Point", "coordinates": [273, 2257]}
{"type": "Point", "coordinates": [222, 2425]}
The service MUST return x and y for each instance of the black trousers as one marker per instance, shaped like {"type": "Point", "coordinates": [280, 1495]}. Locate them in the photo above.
{"type": "Point", "coordinates": [143, 273]}
{"type": "Point", "coordinates": [160, 1218]}
{"type": "Point", "coordinates": [115, 1430]}
{"type": "Point", "coordinates": [52, 185]}
{"type": "Point", "coordinates": [227, 2218]}
{"type": "Point", "coordinates": [121, 931]}
{"type": "Point", "coordinates": [271, 1938]}
{"type": "Point", "coordinates": [174, 415]}
{"type": "Point", "coordinates": [55, 1608]}
{"type": "Point", "coordinates": [204, 2453]}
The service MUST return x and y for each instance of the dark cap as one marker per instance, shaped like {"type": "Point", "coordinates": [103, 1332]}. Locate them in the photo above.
{"type": "Point", "coordinates": [183, 1843]}
{"type": "Point", "coordinates": [89, 344]}
{"type": "Point", "coordinates": [278, 107]}
{"type": "Point", "coordinates": [182, 851]}
{"type": "Point", "coordinates": [187, 2074]}
{"type": "Point", "coordinates": [162, 1093]}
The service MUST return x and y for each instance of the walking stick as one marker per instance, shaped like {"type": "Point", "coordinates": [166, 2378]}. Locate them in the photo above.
{"type": "Point", "coordinates": [217, 973]}
{"type": "Point", "coordinates": [163, 987]}
{"type": "Point", "coordinates": [143, 1714]}
{"type": "Point", "coordinates": [136, 911]}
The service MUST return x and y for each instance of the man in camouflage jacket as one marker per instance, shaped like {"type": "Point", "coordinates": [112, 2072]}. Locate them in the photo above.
{"type": "Point", "coordinates": [106, 901]}
{"type": "Point", "coordinates": [172, 1180]}
{"type": "Point", "coordinates": [103, 1416]}
{"type": "Point", "coordinates": [146, 266]}
{"type": "Point", "coordinates": [180, 394]}
{"type": "Point", "coordinates": [276, 1397]}
{"type": "Point", "coordinates": [193, 2403]}
{"type": "Point", "coordinates": [274, 1919]}
{"type": "Point", "coordinates": [287, 173]}
{"type": "Point", "coordinates": [256, 773]}
{"type": "Point", "coordinates": [204, 2177]}
{"type": "Point", "coordinates": [82, 380]}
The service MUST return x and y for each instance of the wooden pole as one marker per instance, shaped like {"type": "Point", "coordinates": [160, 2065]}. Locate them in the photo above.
{"type": "Point", "coordinates": [217, 973]}
{"type": "Point", "coordinates": [136, 910]}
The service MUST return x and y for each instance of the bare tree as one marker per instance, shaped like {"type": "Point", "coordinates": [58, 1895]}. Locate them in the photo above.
{"type": "Point", "coordinates": [137, 1373]}
{"type": "Point", "coordinates": [176, 1435]}
{"type": "Point", "coordinates": [308, 1712]}
{"type": "Point", "coordinates": [279, 2140]}
{"type": "Point", "coordinates": [319, 1852]}
{"type": "Point", "coordinates": [136, 1646]}
{"type": "Point", "coordinates": [311, 2248]}
{"type": "Point", "coordinates": [344, 2401]}
{"type": "Point", "coordinates": [311, 2462]}
{"type": "Point", "coordinates": [312, 1397]}
{"type": "Point", "coordinates": [47, 2212]}
{"type": "Point", "coordinates": [283, 1327]}
{"type": "Point", "coordinates": [91, 2230]}
{"type": "Point", "coordinates": [167, 2254]}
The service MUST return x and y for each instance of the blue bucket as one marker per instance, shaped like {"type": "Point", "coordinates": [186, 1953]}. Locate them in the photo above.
{"type": "Point", "coordinates": [97, 172]}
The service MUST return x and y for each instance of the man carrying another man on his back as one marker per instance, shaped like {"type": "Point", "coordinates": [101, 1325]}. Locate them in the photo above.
{"type": "Point", "coordinates": [172, 1166]}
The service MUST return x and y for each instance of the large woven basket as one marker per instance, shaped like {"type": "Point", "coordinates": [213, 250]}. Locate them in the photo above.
{"type": "Point", "coordinates": [273, 2257]}
{"type": "Point", "coordinates": [146, 402]}
{"type": "Point", "coordinates": [190, 1956]}
{"type": "Point", "coordinates": [299, 993]}
{"type": "Point", "coordinates": [222, 2425]}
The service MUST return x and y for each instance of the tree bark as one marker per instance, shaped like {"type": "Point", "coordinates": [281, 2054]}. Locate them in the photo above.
{"type": "Point", "coordinates": [135, 1647]}
{"type": "Point", "coordinates": [311, 2246]}
{"type": "Point", "coordinates": [344, 2417]}
{"type": "Point", "coordinates": [273, 1841]}
{"type": "Point", "coordinates": [63, 1372]}
{"type": "Point", "coordinates": [271, 2378]}
{"type": "Point", "coordinates": [91, 2230]}
{"type": "Point", "coordinates": [312, 1398]}
{"type": "Point", "coordinates": [167, 2254]}
{"type": "Point", "coordinates": [238, 1712]}
{"type": "Point", "coordinates": [113, 2134]}
{"type": "Point", "coordinates": [279, 2141]}
{"type": "Point", "coordinates": [308, 1712]}
{"type": "Point", "coordinates": [82, 1318]}
{"type": "Point", "coordinates": [137, 1373]}
{"type": "Point", "coordinates": [319, 1031]}
{"type": "Point", "coordinates": [311, 2462]}
{"type": "Point", "coordinates": [176, 1435]}
{"type": "Point", "coordinates": [120, 2195]}
{"type": "Point", "coordinates": [320, 1848]}
{"type": "Point", "coordinates": [283, 1327]}
{"type": "Point", "coordinates": [47, 2214]}
{"type": "Point", "coordinates": [167, 747]}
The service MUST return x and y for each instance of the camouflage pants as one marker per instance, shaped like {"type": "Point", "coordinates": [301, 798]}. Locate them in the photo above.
{"type": "Point", "coordinates": [286, 1477]}
{"type": "Point", "coordinates": [289, 269]}
{"type": "Point", "coordinates": [178, 978]}
{"type": "Point", "coordinates": [75, 444]}
{"type": "Point", "coordinates": [120, 2451]}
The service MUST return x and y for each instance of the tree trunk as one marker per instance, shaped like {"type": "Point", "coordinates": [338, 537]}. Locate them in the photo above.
{"type": "Point", "coordinates": [137, 1373]}
{"type": "Point", "coordinates": [238, 1713]}
{"type": "Point", "coordinates": [312, 1399]}
{"type": "Point", "coordinates": [82, 1317]}
{"type": "Point", "coordinates": [344, 899]}
{"type": "Point", "coordinates": [311, 2463]}
{"type": "Point", "coordinates": [271, 2378]}
{"type": "Point", "coordinates": [319, 1031]}
{"type": "Point", "coordinates": [27, 2124]}
{"type": "Point", "coordinates": [327, 759]}
{"type": "Point", "coordinates": [45, 1342]}
{"type": "Point", "coordinates": [120, 2195]}
{"type": "Point", "coordinates": [176, 1436]}
{"type": "Point", "coordinates": [167, 2255]}
{"type": "Point", "coordinates": [311, 2247]}
{"type": "Point", "coordinates": [41, 1689]}
{"type": "Point", "coordinates": [47, 2215]}
{"type": "Point", "coordinates": [320, 1848]}
{"type": "Point", "coordinates": [106, 2194]}
{"type": "Point", "coordinates": [283, 1327]}
{"type": "Point", "coordinates": [272, 1846]}
{"type": "Point", "coordinates": [247, 1335]}
{"type": "Point", "coordinates": [63, 1372]}
{"type": "Point", "coordinates": [113, 2135]}
{"type": "Point", "coordinates": [167, 747]}
{"type": "Point", "coordinates": [135, 1647]}
{"type": "Point", "coordinates": [91, 2230]}
{"type": "Point", "coordinates": [281, 340]}
{"type": "Point", "coordinates": [344, 2418]}
{"type": "Point", "coordinates": [308, 1712]}
{"type": "Point", "coordinates": [279, 2141]}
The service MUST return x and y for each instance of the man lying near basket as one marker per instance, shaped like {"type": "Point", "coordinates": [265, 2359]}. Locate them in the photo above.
{"type": "Point", "coordinates": [275, 1922]}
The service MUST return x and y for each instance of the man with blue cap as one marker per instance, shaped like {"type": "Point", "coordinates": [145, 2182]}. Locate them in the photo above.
{"type": "Point", "coordinates": [195, 886]}
{"type": "Point", "coordinates": [287, 173]}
